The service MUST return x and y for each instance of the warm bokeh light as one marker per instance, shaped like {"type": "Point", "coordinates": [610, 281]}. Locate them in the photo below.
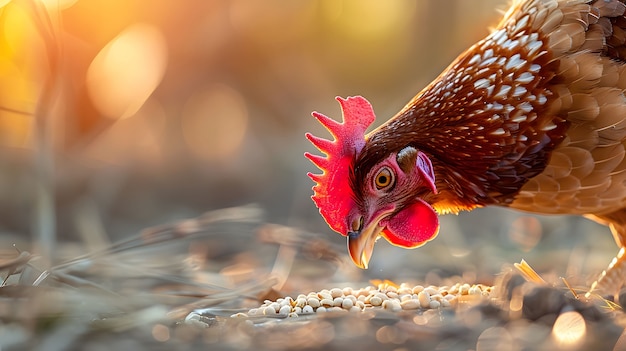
{"type": "Point", "coordinates": [127, 70]}
{"type": "Point", "coordinates": [569, 328]}
{"type": "Point", "coordinates": [214, 122]}
{"type": "Point", "coordinates": [21, 61]}
{"type": "Point", "coordinates": [495, 338]}
{"type": "Point", "coordinates": [161, 332]}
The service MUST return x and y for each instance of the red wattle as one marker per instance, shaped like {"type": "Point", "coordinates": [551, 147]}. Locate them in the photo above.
{"type": "Point", "coordinates": [413, 226]}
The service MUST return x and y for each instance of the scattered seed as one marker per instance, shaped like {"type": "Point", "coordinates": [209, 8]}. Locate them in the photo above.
{"type": "Point", "coordinates": [392, 305]}
{"type": "Point", "coordinates": [424, 299]}
{"type": "Point", "coordinates": [336, 292]}
{"type": "Point", "coordinates": [347, 304]}
{"type": "Point", "coordinates": [376, 301]}
{"type": "Point", "coordinates": [313, 302]}
{"type": "Point", "coordinates": [327, 302]}
{"type": "Point", "coordinates": [284, 310]}
{"type": "Point", "coordinates": [410, 304]}
{"type": "Point", "coordinates": [338, 301]}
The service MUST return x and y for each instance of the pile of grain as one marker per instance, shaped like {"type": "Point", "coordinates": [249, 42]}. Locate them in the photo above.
{"type": "Point", "coordinates": [384, 296]}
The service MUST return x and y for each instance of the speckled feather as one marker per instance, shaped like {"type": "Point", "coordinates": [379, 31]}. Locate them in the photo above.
{"type": "Point", "coordinates": [532, 117]}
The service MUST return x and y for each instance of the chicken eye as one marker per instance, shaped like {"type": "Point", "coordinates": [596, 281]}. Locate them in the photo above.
{"type": "Point", "coordinates": [384, 178]}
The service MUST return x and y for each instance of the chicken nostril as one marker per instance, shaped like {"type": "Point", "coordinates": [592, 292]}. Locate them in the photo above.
{"type": "Point", "coordinates": [357, 224]}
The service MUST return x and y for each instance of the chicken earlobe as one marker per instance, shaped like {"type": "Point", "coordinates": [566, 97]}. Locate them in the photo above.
{"type": "Point", "coordinates": [413, 226]}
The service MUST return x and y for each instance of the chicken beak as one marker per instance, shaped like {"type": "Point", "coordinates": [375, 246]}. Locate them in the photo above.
{"type": "Point", "coordinates": [361, 244]}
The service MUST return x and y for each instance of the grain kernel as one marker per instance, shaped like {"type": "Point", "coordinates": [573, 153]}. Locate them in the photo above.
{"type": "Point", "coordinates": [298, 310]}
{"type": "Point", "coordinates": [347, 304]}
{"type": "Point", "coordinates": [269, 311]}
{"type": "Point", "coordinates": [275, 306]}
{"type": "Point", "coordinates": [313, 302]}
{"type": "Point", "coordinates": [354, 309]}
{"type": "Point", "coordinates": [301, 302]}
{"type": "Point", "coordinates": [424, 299]}
{"type": "Point", "coordinates": [376, 301]}
{"type": "Point", "coordinates": [418, 289]}
{"type": "Point", "coordinates": [382, 296]}
{"type": "Point", "coordinates": [327, 302]}
{"type": "Point", "coordinates": [392, 295]}
{"type": "Point", "coordinates": [410, 304]}
{"type": "Point", "coordinates": [445, 303]}
{"type": "Point", "coordinates": [336, 292]}
{"type": "Point", "coordinates": [392, 305]}
{"type": "Point", "coordinates": [434, 304]}
{"type": "Point", "coordinates": [436, 297]}
{"type": "Point", "coordinates": [431, 290]}
{"type": "Point", "coordinates": [325, 296]}
{"type": "Point", "coordinates": [321, 309]}
{"type": "Point", "coordinates": [404, 290]}
{"type": "Point", "coordinates": [474, 290]}
{"type": "Point", "coordinates": [307, 309]}
{"type": "Point", "coordinates": [284, 310]}
{"type": "Point", "coordinates": [464, 289]}
{"type": "Point", "coordinates": [347, 291]}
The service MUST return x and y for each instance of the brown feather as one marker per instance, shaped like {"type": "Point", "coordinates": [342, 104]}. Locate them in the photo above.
{"type": "Point", "coordinates": [532, 117]}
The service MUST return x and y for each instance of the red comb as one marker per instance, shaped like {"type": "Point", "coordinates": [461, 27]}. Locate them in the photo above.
{"type": "Point", "coordinates": [332, 193]}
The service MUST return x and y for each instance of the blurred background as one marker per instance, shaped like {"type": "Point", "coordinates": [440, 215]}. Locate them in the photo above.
{"type": "Point", "coordinates": [117, 115]}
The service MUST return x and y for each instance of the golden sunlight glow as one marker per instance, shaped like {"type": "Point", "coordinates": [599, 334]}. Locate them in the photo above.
{"type": "Point", "coordinates": [59, 4]}
{"type": "Point", "coordinates": [4, 2]}
{"type": "Point", "coordinates": [569, 328]}
{"type": "Point", "coordinates": [368, 18]}
{"type": "Point", "coordinates": [127, 70]}
{"type": "Point", "coordinates": [214, 122]}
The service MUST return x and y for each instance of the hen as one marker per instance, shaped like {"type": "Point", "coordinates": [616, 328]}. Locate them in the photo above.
{"type": "Point", "coordinates": [533, 118]}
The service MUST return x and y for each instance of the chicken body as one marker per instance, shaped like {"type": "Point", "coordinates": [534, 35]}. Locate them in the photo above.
{"type": "Point", "coordinates": [533, 118]}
